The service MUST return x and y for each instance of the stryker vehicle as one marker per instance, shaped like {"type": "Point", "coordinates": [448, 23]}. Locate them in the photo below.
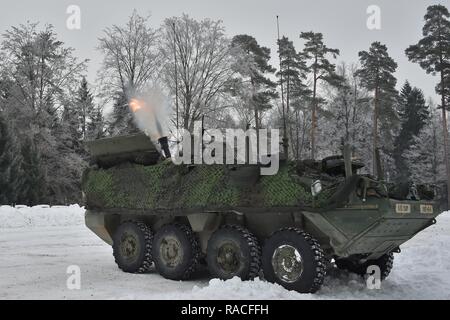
{"type": "Point", "coordinates": [288, 227]}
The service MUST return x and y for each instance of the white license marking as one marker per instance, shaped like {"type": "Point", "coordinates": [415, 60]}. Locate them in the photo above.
{"type": "Point", "coordinates": [426, 209]}
{"type": "Point", "coordinates": [403, 208]}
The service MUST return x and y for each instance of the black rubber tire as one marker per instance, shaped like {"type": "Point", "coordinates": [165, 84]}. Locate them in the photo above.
{"type": "Point", "coordinates": [187, 254]}
{"type": "Point", "coordinates": [141, 235]}
{"type": "Point", "coordinates": [314, 269]}
{"type": "Point", "coordinates": [244, 250]}
{"type": "Point", "coordinates": [385, 263]}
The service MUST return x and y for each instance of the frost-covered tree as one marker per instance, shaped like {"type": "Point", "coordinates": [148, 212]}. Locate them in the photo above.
{"type": "Point", "coordinates": [10, 182]}
{"type": "Point", "coordinates": [413, 113]}
{"type": "Point", "coordinates": [43, 70]}
{"type": "Point", "coordinates": [34, 185]}
{"type": "Point", "coordinates": [121, 119]}
{"type": "Point", "coordinates": [377, 75]}
{"type": "Point", "coordinates": [43, 76]}
{"type": "Point", "coordinates": [91, 123]}
{"type": "Point", "coordinates": [321, 69]}
{"type": "Point", "coordinates": [69, 127]}
{"type": "Point", "coordinates": [96, 127]}
{"type": "Point", "coordinates": [84, 104]}
{"type": "Point", "coordinates": [204, 60]}
{"type": "Point", "coordinates": [425, 158]}
{"type": "Point", "coordinates": [64, 179]}
{"type": "Point", "coordinates": [252, 83]}
{"type": "Point", "coordinates": [130, 63]}
{"type": "Point", "coordinates": [432, 52]}
{"type": "Point", "coordinates": [345, 118]}
{"type": "Point", "coordinates": [130, 56]}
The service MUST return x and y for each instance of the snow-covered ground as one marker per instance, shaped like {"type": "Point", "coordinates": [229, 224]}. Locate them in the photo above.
{"type": "Point", "coordinates": [38, 244]}
{"type": "Point", "coordinates": [40, 216]}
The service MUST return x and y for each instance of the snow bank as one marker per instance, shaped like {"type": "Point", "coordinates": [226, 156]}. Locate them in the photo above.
{"type": "Point", "coordinates": [341, 285]}
{"type": "Point", "coordinates": [236, 289]}
{"type": "Point", "coordinates": [40, 216]}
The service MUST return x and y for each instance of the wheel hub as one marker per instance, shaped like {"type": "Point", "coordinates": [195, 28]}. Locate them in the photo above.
{"type": "Point", "coordinates": [129, 246]}
{"type": "Point", "coordinates": [287, 263]}
{"type": "Point", "coordinates": [171, 252]}
{"type": "Point", "coordinates": [228, 258]}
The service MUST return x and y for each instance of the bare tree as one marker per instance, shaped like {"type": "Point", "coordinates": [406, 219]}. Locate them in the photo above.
{"type": "Point", "coordinates": [203, 56]}
{"type": "Point", "coordinates": [130, 56]}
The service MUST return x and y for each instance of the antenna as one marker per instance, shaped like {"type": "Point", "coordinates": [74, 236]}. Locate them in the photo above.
{"type": "Point", "coordinates": [285, 139]}
{"type": "Point", "coordinates": [176, 72]}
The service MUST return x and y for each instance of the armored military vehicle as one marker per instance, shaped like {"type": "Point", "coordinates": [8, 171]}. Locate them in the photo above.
{"type": "Point", "coordinates": [286, 227]}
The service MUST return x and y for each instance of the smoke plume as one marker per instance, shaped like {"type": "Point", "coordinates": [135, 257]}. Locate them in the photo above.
{"type": "Point", "coordinates": [150, 110]}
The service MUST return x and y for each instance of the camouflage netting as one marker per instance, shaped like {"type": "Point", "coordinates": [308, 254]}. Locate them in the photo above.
{"type": "Point", "coordinates": [210, 187]}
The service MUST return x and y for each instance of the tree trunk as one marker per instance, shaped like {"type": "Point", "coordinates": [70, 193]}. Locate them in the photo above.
{"type": "Point", "coordinates": [285, 138]}
{"type": "Point", "coordinates": [255, 107]}
{"type": "Point", "coordinates": [313, 119]}
{"type": "Point", "coordinates": [257, 129]}
{"type": "Point", "coordinates": [287, 92]}
{"type": "Point", "coordinates": [289, 127]}
{"type": "Point", "coordinates": [84, 120]}
{"type": "Point", "coordinates": [445, 129]}
{"type": "Point", "coordinates": [297, 142]}
{"type": "Point", "coordinates": [354, 119]}
{"type": "Point", "coordinates": [187, 110]}
{"type": "Point", "coordinates": [375, 132]}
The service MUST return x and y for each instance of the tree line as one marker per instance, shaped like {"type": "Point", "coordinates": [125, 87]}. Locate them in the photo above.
{"type": "Point", "coordinates": [48, 110]}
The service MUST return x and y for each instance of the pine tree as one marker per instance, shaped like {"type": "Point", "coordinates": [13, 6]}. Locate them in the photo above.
{"type": "Point", "coordinates": [34, 186]}
{"type": "Point", "coordinates": [122, 121]}
{"type": "Point", "coordinates": [256, 71]}
{"type": "Point", "coordinates": [90, 116]}
{"type": "Point", "coordinates": [432, 52]}
{"type": "Point", "coordinates": [66, 161]}
{"type": "Point", "coordinates": [413, 113]}
{"type": "Point", "coordinates": [377, 75]}
{"type": "Point", "coordinates": [68, 130]}
{"type": "Point", "coordinates": [85, 106]}
{"type": "Point", "coordinates": [322, 70]}
{"type": "Point", "coordinates": [293, 71]}
{"type": "Point", "coordinates": [96, 125]}
{"type": "Point", "coordinates": [10, 182]}
{"type": "Point", "coordinates": [252, 84]}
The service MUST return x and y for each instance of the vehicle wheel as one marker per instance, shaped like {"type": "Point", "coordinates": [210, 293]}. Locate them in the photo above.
{"type": "Point", "coordinates": [176, 251]}
{"type": "Point", "coordinates": [295, 260]}
{"type": "Point", "coordinates": [385, 263]}
{"type": "Point", "coordinates": [132, 247]}
{"type": "Point", "coordinates": [233, 252]}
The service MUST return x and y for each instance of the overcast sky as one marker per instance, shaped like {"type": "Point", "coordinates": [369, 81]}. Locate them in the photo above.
{"type": "Point", "coordinates": [342, 22]}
